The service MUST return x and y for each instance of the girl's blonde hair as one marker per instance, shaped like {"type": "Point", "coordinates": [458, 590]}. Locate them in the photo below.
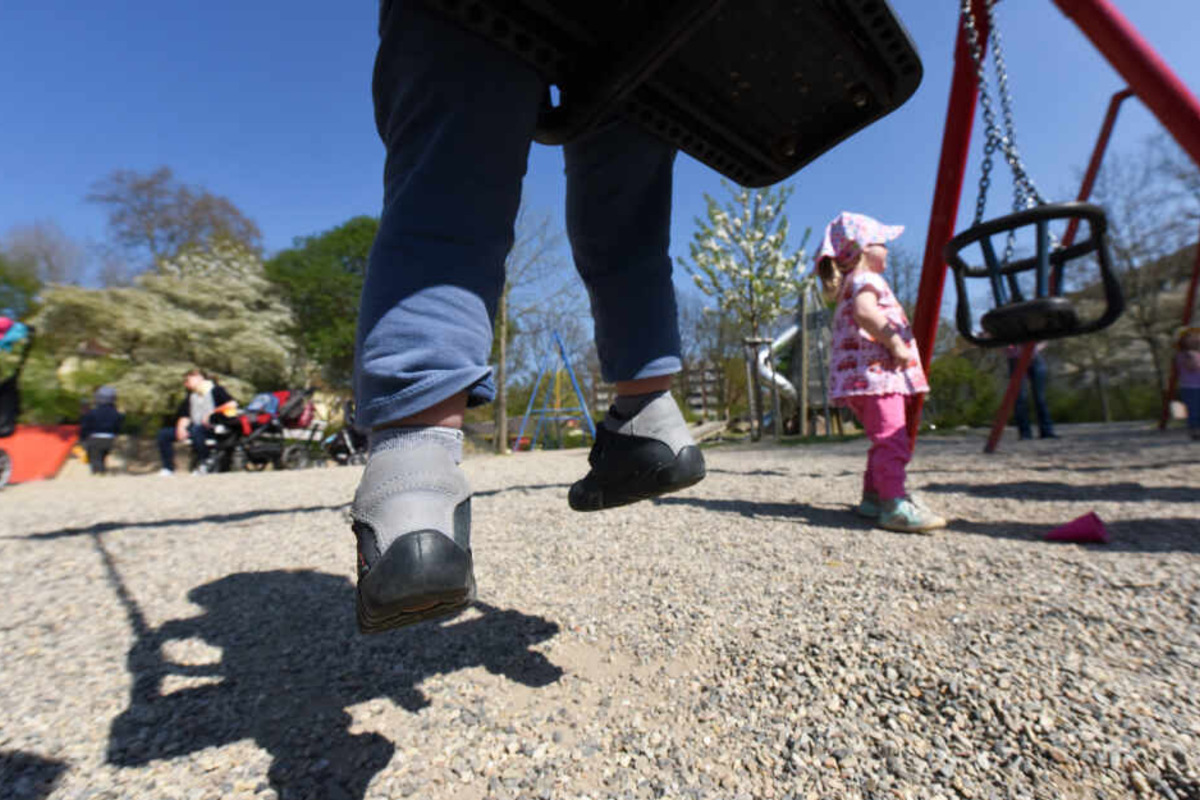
{"type": "Point", "coordinates": [831, 272]}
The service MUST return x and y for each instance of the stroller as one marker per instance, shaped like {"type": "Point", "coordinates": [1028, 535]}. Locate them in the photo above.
{"type": "Point", "coordinates": [265, 433]}
{"type": "Point", "coordinates": [348, 445]}
{"type": "Point", "coordinates": [12, 333]}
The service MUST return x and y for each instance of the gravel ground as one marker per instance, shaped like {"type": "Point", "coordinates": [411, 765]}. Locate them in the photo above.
{"type": "Point", "coordinates": [193, 637]}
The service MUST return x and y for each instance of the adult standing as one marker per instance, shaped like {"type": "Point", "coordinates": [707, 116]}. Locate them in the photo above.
{"type": "Point", "coordinates": [1035, 378]}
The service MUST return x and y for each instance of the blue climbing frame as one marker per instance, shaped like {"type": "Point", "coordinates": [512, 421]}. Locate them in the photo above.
{"type": "Point", "coordinates": [546, 414]}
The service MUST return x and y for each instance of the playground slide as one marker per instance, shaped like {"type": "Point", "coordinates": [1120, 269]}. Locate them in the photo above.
{"type": "Point", "coordinates": [764, 369]}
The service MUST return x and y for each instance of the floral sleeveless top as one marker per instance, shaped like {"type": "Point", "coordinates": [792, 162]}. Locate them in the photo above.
{"type": "Point", "coordinates": [859, 365]}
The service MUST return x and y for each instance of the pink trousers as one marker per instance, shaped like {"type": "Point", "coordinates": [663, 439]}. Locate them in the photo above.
{"type": "Point", "coordinates": [884, 417]}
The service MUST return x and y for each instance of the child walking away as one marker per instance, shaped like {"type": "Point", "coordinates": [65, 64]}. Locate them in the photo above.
{"type": "Point", "coordinates": [99, 428]}
{"type": "Point", "coordinates": [874, 368]}
{"type": "Point", "coordinates": [1187, 363]}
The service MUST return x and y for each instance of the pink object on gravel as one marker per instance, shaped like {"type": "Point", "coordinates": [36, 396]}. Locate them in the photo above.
{"type": "Point", "coordinates": [1088, 529]}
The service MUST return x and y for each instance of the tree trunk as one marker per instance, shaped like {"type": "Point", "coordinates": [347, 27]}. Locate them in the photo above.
{"type": "Point", "coordinates": [802, 383]}
{"type": "Point", "coordinates": [1152, 343]}
{"type": "Point", "coordinates": [500, 434]}
{"type": "Point", "coordinates": [1102, 389]}
{"type": "Point", "coordinates": [752, 397]}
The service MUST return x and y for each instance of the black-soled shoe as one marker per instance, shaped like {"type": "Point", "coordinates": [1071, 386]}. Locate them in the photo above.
{"type": "Point", "coordinates": [421, 574]}
{"type": "Point", "coordinates": [627, 468]}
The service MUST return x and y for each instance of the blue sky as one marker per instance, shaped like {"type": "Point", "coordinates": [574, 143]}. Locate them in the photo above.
{"type": "Point", "coordinates": [269, 105]}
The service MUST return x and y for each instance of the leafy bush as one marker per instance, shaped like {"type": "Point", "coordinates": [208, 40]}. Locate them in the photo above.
{"type": "Point", "coordinates": [961, 393]}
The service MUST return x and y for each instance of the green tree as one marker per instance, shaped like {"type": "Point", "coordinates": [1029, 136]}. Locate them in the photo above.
{"type": "Point", "coordinates": [321, 277]}
{"type": "Point", "coordinates": [961, 393]}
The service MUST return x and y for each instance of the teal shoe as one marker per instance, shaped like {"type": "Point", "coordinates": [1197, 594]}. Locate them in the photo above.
{"type": "Point", "coordinates": [907, 515]}
{"type": "Point", "coordinates": [869, 506]}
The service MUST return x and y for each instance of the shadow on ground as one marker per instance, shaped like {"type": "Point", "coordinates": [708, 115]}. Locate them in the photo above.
{"type": "Point", "coordinates": [290, 664]}
{"type": "Point", "coordinates": [24, 776]}
{"type": "Point", "coordinates": [232, 519]}
{"type": "Point", "coordinates": [811, 515]}
{"type": "Point", "coordinates": [1151, 535]}
{"type": "Point", "coordinates": [1055, 490]}
{"type": "Point", "coordinates": [1133, 535]}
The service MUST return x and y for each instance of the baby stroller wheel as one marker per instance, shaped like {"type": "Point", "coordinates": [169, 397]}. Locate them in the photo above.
{"type": "Point", "coordinates": [237, 459]}
{"type": "Point", "coordinates": [294, 456]}
{"type": "Point", "coordinates": [5, 468]}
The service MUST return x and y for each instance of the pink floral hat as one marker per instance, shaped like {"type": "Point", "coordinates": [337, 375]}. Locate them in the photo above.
{"type": "Point", "coordinates": [849, 233]}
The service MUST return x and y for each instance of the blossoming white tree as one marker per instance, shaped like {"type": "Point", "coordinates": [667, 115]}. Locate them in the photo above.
{"type": "Point", "coordinates": [740, 257]}
{"type": "Point", "coordinates": [211, 308]}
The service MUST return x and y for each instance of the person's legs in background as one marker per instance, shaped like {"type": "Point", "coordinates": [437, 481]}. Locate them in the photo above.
{"type": "Point", "coordinates": [619, 185]}
{"type": "Point", "coordinates": [97, 448]}
{"type": "Point", "coordinates": [199, 438]}
{"type": "Point", "coordinates": [457, 116]}
{"type": "Point", "coordinates": [166, 449]}
{"type": "Point", "coordinates": [1021, 409]}
{"type": "Point", "coordinates": [1037, 383]}
{"type": "Point", "coordinates": [1191, 400]}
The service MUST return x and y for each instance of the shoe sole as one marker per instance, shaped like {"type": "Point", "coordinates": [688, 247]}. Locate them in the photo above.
{"type": "Point", "coordinates": [438, 576]}
{"type": "Point", "coordinates": [687, 469]}
{"type": "Point", "coordinates": [429, 607]}
{"type": "Point", "coordinates": [919, 529]}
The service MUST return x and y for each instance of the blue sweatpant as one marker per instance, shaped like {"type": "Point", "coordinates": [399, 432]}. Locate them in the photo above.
{"type": "Point", "coordinates": [457, 115]}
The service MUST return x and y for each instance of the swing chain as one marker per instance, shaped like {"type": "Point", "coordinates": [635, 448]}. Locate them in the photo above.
{"type": "Point", "coordinates": [1025, 193]}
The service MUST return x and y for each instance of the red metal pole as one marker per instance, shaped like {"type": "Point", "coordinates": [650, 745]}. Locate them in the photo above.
{"type": "Point", "coordinates": [1189, 307]}
{"type": "Point", "coordinates": [952, 167]}
{"type": "Point", "coordinates": [1085, 191]}
{"type": "Point", "coordinates": [1093, 168]}
{"type": "Point", "coordinates": [1147, 74]}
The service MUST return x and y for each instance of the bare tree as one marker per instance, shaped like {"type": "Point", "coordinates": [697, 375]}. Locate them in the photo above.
{"type": "Point", "coordinates": [1148, 242]}
{"type": "Point", "coordinates": [904, 275]}
{"type": "Point", "coordinates": [153, 217]}
{"type": "Point", "coordinates": [1181, 174]}
{"type": "Point", "coordinates": [57, 258]}
{"type": "Point", "coordinates": [114, 270]}
{"type": "Point", "coordinates": [535, 282]}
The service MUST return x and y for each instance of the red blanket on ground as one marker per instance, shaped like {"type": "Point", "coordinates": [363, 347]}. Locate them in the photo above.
{"type": "Point", "coordinates": [39, 451]}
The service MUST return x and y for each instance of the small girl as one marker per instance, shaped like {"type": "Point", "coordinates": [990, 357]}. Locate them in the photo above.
{"type": "Point", "coordinates": [1187, 365]}
{"type": "Point", "coordinates": [873, 367]}
{"type": "Point", "coordinates": [99, 428]}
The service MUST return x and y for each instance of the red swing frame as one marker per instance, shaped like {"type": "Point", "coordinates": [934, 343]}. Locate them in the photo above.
{"type": "Point", "coordinates": [1148, 77]}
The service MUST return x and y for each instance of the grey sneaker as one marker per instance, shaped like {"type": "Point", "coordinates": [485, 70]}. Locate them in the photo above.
{"type": "Point", "coordinates": [869, 506]}
{"type": "Point", "coordinates": [908, 515]}
{"type": "Point", "coordinates": [412, 518]}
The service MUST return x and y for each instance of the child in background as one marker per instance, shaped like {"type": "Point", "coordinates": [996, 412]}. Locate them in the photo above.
{"type": "Point", "coordinates": [874, 368]}
{"type": "Point", "coordinates": [99, 428]}
{"type": "Point", "coordinates": [1187, 364]}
